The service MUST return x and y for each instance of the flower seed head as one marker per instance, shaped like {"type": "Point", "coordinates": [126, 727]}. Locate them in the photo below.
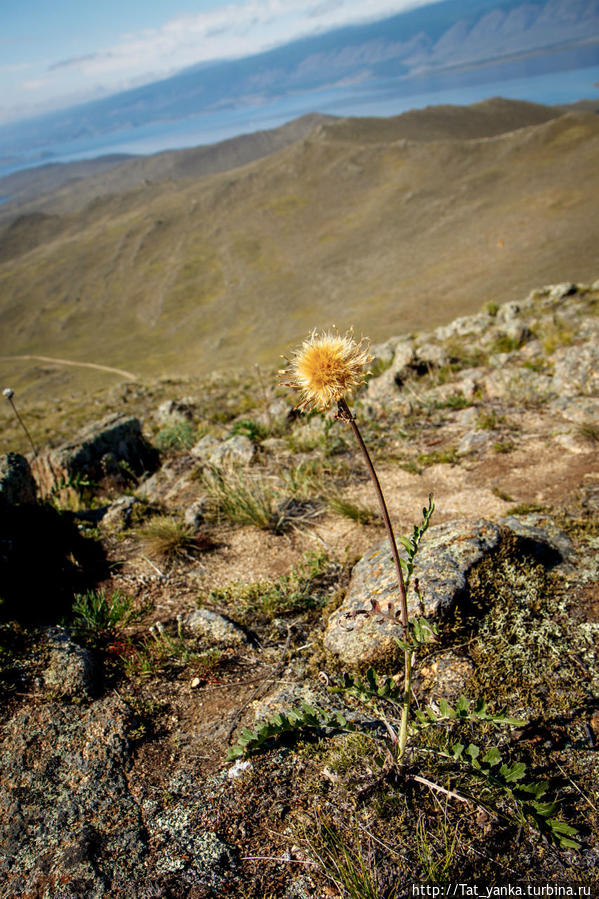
{"type": "Point", "coordinates": [325, 368]}
{"type": "Point", "coordinates": [8, 393]}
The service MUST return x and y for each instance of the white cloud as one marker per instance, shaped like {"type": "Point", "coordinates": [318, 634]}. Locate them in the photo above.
{"type": "Point", "coordinates": [237, 29]}
{"type": "Point", "coordinates": [228, 31]}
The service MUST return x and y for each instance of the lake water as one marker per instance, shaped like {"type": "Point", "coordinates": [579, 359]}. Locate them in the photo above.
{"type": "Point", "coordinates": [390, 97]}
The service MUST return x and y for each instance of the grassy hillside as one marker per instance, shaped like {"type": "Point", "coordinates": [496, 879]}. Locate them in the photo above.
{"type": "Point", "coordinates": [354, 224]}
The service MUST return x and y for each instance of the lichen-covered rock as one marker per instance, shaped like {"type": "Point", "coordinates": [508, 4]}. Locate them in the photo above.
{"type": "Point", "coordinates": [576, 408]}
{"type": "Point", "coordinates": [105, 451]}
{"type": "Point", "coordinates": [237, 450]}
{"type": "Point", "coordinates": [476, 441]}
{"type": "Point", "coordinates": [446, 676]}
{"type": "Point", "coordinates": [172, 412]}
{"type": "Point", "coordinates": [119, 514]}
{"type": "Point", "coordinates": [542, 533]}
{"type": "Point", "coordinates": [173, 484]}
{"type": "Point", "coordinates": [216, 627]}
{"type": "Point", "coordinates": [447, 554]}
{"type": "Point", "coordinates": [70, 826]}
{"type": "Point", "coordinates": [16, 480]}
{"type": "Point", "coordinates": [188, 850]}
{"type": "Point", "coordinates": [71, 670]}
{"type": "Point", "coordinates": [385, 387]}
{"type": "Point", "coordinates": [576, 370]}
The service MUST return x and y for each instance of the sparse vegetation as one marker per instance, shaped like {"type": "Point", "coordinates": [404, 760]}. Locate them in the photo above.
{"type": "Point", "coordinates": [167, 538]}
{"type": "Point", "coordinates": [589, 431]}
{"type": "Point", "coordinates": [351, 510]}
{"type": "Point", "coordinates": [176, 437]}
{"type": "Point", "coordinates": [447, 456]}
{"type": "Point", "coordinates": [304, 588]}
{"type": "Point", "coordinates": [96, 612]}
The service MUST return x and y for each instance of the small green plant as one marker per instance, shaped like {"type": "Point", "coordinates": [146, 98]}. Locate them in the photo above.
{"type": "Point", "coordinates": [164, 651]}
{"type": "Point", "coordinates": [69, 490]}
{"type": "Point", "coordinates": [503, 446]}
{"type": "Point", "coordinates": [501, 494]}
{"type": "Point", "coordinates": [488, 420]}
{"type": "Point", "coordinates": [95, 612]}
{"type": "Point", "coordinates": [243, 500]}
{"type": "Point", "coordinates": [436, 862]}
{"type": "Point", "coordinates": [447, 456]}
{"type": "Point", "coordinates": [455, 401]}
{"type": "Point", "coordinates": [503, 343]}
{"type": "Point", "coordinates": [556, 333]}
{"type": "Point", "coordinates": [492, 308]}
{"type": "Point", "coordinates": [349, 863]}
{"type": "Point", "coordinates": [249, 428]}
{"type": "Point", "coordinates": [176, 437]}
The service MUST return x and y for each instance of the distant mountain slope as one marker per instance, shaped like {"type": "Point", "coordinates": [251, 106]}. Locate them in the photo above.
{"type": "Point", "coordinates": [407, 50]}
{"type": "Point", "coordinates": [388, 235]}
{"type": "Point", "coordinates": [486, 119]}
{"type": "Point", "coordinates": [65, 183]}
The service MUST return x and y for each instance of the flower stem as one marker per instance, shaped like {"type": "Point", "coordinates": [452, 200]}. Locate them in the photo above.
{"type": "Point", "coordinates": [23, 425]}
{"type": "Point", "coordinates": [344, 413]}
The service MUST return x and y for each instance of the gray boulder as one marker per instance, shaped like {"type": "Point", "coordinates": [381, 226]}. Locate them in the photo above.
{"type": "Point", "coordinates": [447, 554]}
{"type": "Point", "coordinates": [236, 451]}
{"type": "Point", "coordinates": [105, 451]}
{"type": "Point", "coordinates": [576, 370]}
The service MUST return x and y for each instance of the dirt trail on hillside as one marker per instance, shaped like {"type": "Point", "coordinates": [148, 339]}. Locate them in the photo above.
{"type": "Point", "coordinates": [96, 365]}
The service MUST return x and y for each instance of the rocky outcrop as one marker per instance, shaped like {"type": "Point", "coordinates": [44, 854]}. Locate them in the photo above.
{"type": "Point", "coordinates": [448, 554]}
{"type": "Point", "coordinates": [71, 825]}
{"type": "Point", "coordinates": [108, 452]}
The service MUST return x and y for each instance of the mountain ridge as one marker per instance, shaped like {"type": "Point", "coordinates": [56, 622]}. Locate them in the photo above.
{"type": "Point", "coordinates": [403, 49]}
{"type": "Point", "coordinates": [200, 274]}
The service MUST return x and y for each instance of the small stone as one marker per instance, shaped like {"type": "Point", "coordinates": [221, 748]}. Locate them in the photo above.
{"type": "Point", "coordinates": [217, 627]}
{"type": "Point", "coordinates": [508, 312]}
{"type": "Point", "coordinates": [71, 670]}
{"type": "Point", "coordinates": [238, 769]}
{"type": "Point", "coordinates": [195, 683]}
{"type": "Point", "coordinates": [118, 515]}
{"type": "Point", "coordinates": [205, 447]}
{"type": "Point", "coordinates": [431, 354]}
{"type": "Point", "coordinates": [576, 370]}
{"type": "Point", "coordinates": [559, 291]}
{"type": "Point", "coordinates": [172, 412]}
{"type": "Point", "coordinates": [475, 441]}
{"type": "Point", "coordinates": [194, 515]}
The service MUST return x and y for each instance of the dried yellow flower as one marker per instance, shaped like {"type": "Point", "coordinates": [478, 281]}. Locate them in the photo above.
{"type": "Point", "coordinates": [325, 368]}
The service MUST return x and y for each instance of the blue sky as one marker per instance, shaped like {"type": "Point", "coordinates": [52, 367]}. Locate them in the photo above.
{"type": "Point", "coordinates": [55, 53]}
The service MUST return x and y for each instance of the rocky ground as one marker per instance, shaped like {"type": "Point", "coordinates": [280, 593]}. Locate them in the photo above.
{"type": "Point", "coordinates": [202, 558]}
